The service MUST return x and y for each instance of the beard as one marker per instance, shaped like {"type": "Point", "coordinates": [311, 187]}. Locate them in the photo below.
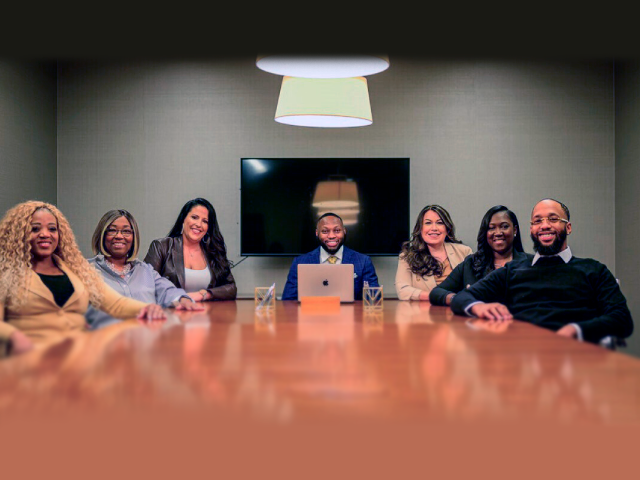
{"type": "Point", "coordinates": [332, 251]}
{"type": "Point", "coordinates": [552, 249]}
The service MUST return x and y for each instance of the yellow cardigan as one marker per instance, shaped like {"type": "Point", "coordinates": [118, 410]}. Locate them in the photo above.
{"type": "Point", "coordinates": [409, 285]}
{"type": "Point", "coordinates": [42, 320]}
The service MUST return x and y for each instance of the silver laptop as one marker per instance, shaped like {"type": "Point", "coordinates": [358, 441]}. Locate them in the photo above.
{"type": "Point", "coordinates": [326, 280]}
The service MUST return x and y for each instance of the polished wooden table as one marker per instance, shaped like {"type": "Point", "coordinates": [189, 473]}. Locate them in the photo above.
{"type": "Point", "coordinates": [410, 362]}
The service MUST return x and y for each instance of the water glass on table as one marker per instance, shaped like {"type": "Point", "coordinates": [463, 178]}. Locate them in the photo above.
{"type": "Point", "coordinates": [265, 298]}
{"type": "Point", "coordinates": [372, 298]}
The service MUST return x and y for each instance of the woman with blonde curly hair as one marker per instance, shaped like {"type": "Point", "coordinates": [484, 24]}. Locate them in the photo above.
{"type": "Point", "coordinates": [430, 255]}
{"type": "Point", "coordinates": [46, 284]}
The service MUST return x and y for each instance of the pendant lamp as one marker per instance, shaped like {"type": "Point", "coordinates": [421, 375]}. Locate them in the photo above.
{"type": "Point", "coordinates": [328, 102]}
{"type": "Point", "coordinates": [323, 66]}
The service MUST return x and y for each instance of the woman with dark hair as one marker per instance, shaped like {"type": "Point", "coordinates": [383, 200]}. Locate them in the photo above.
{"type": "Point", "coordinates": [115, 244]}
{"type": "Point", "coordinates": [193, 256]}
{"type": "Point", "coordinates": [499, 242]}
{"type": "Point", "coordinates": [430, 255]}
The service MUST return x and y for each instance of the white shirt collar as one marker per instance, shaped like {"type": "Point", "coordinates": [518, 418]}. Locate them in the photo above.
{"type": "Point", "coordinates": [564, 255]}
{"type": "Point", "coordinates": [324, 255]}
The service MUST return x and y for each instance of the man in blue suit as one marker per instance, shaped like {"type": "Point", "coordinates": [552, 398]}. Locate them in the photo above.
{"type": "Point", "coordinates": [331, 234]}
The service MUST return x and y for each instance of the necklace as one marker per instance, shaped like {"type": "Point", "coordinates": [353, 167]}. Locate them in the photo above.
{"type": "Point", "coordinates": [193, 254]}
{"type": "Point", "coordinates": [121, 273]}
{"type": "Point", "coordinates": [193, 251]}
{"type": "Point", "coordinates": [501, 264]}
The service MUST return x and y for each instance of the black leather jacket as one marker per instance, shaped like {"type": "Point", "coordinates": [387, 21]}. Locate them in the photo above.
{"type": "Point", "coordinates": [166, 257]}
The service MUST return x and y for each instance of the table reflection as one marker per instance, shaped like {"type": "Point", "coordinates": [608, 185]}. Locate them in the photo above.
{"type": "Point", "coordinates": [410, 361]}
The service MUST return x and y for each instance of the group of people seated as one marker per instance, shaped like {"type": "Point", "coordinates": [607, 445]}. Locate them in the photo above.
{"type": "Point", "coordinates": [576, 297]}
{"type": "Point", "coordinates": [47, 287]}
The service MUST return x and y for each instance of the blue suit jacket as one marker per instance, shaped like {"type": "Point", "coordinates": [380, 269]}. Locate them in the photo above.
{"type": "Point", "coordinates": [362, 268]}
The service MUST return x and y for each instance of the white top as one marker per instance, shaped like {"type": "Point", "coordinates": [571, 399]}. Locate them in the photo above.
{"type": "Point", "coordinates": [196, 280]}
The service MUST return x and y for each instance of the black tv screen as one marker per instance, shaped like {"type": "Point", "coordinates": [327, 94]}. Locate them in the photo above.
{"type": "Point", "coordinates": [281, 199]}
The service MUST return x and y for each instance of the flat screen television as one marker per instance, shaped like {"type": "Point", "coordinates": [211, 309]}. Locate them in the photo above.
{"type": "Point", "coordinates": [281, 199]}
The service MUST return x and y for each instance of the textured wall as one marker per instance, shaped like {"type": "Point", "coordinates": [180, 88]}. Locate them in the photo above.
{"type": "Point", "coordinates": [27, 132]}
{"type": "Point", "coordinates": [627, 87]}
{"type": "Point", "coordinates": [149, 136]}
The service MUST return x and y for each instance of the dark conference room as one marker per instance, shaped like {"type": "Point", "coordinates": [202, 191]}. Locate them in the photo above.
{"type": "Point", "coordinates": [149, 135]}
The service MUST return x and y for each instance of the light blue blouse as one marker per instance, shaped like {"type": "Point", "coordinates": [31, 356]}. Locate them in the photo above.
{"type": "Point", "coordinates": [142, 283]}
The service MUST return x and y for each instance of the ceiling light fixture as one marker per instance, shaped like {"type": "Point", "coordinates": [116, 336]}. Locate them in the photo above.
{"type": "Point", "coordinates": [326, 103]}
{"type": "Point", "coordinates": [323, 66]}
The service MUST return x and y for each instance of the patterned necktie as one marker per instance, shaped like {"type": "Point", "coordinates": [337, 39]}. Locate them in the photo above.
{"type": "Point", "coordinates": [332, 259]}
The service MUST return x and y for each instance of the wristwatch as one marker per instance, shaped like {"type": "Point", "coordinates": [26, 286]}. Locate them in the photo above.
{"type": "Point", "coordinates": [204, 293]}
{"type": "Point", "coordinates": [176, 302]}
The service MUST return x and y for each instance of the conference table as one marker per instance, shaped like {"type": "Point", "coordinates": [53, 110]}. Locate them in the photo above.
{"type": "Point", "coordinates": [410, 361]}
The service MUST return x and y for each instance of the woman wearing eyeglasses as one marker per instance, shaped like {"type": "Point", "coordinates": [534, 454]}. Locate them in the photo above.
{"type": "Point", "coordinates": [115, 242]}
{"type": "Point", "coordinates": [499, 242]}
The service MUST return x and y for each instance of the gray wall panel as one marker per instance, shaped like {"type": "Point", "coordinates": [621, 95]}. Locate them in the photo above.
{"type": "Point", "coordinates": [627, 85]}
{"type": "Point", "coordinates": [27, 132]}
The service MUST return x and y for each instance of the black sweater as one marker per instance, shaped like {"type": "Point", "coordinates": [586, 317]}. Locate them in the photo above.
{"type": "Point", "coordinates": [459, 278]}
{"type": "Point", "coordinates": [582, 291]}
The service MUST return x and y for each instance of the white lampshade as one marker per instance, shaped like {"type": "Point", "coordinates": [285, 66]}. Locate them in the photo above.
{"type": "Point", "coordinates": [328, 102]}
{"type": "Point", "coordinates": [323, 66]}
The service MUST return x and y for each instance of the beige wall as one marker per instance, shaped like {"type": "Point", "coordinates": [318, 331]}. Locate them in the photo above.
{"type": "Point", "coordinates": [27, 132]}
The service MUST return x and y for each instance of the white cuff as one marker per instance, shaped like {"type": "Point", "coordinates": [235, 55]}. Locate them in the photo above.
{"type": "Point", "coordinates": [467, 310]}
{"type": "Point", "coordinates": [579, 331]}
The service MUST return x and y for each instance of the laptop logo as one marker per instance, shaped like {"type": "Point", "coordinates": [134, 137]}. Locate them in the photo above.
{"type": "Point", "coordinates": [325, 283]}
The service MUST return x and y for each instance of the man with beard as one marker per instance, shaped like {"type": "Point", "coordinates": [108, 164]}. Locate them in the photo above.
{"type": "Point", "coordinates": [576, 297]}
{"type": "Point", "coordinates": [331, 234]}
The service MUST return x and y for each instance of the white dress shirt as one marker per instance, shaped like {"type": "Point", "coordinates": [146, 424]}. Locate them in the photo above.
{"type": "Point", "coordinates": [564, 255]}
{"type": "Point", "coordinates": [324, 255]}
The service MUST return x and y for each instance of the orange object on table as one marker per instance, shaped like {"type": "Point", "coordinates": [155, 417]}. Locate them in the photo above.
{"type": "Point", "coordinates": [320, 304]}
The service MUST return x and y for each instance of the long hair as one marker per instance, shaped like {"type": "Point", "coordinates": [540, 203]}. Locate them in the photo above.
{"type": "Point", "coordinates": [212, 243]}
{"type": "Point", "coordinates": [483, 260]}
{"type": "Point", "coordinates": [97, 241]}
{"type": "Point", "coordinates": [416, 252]}
{"type": "Point", "coordinates": [15, 254]}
